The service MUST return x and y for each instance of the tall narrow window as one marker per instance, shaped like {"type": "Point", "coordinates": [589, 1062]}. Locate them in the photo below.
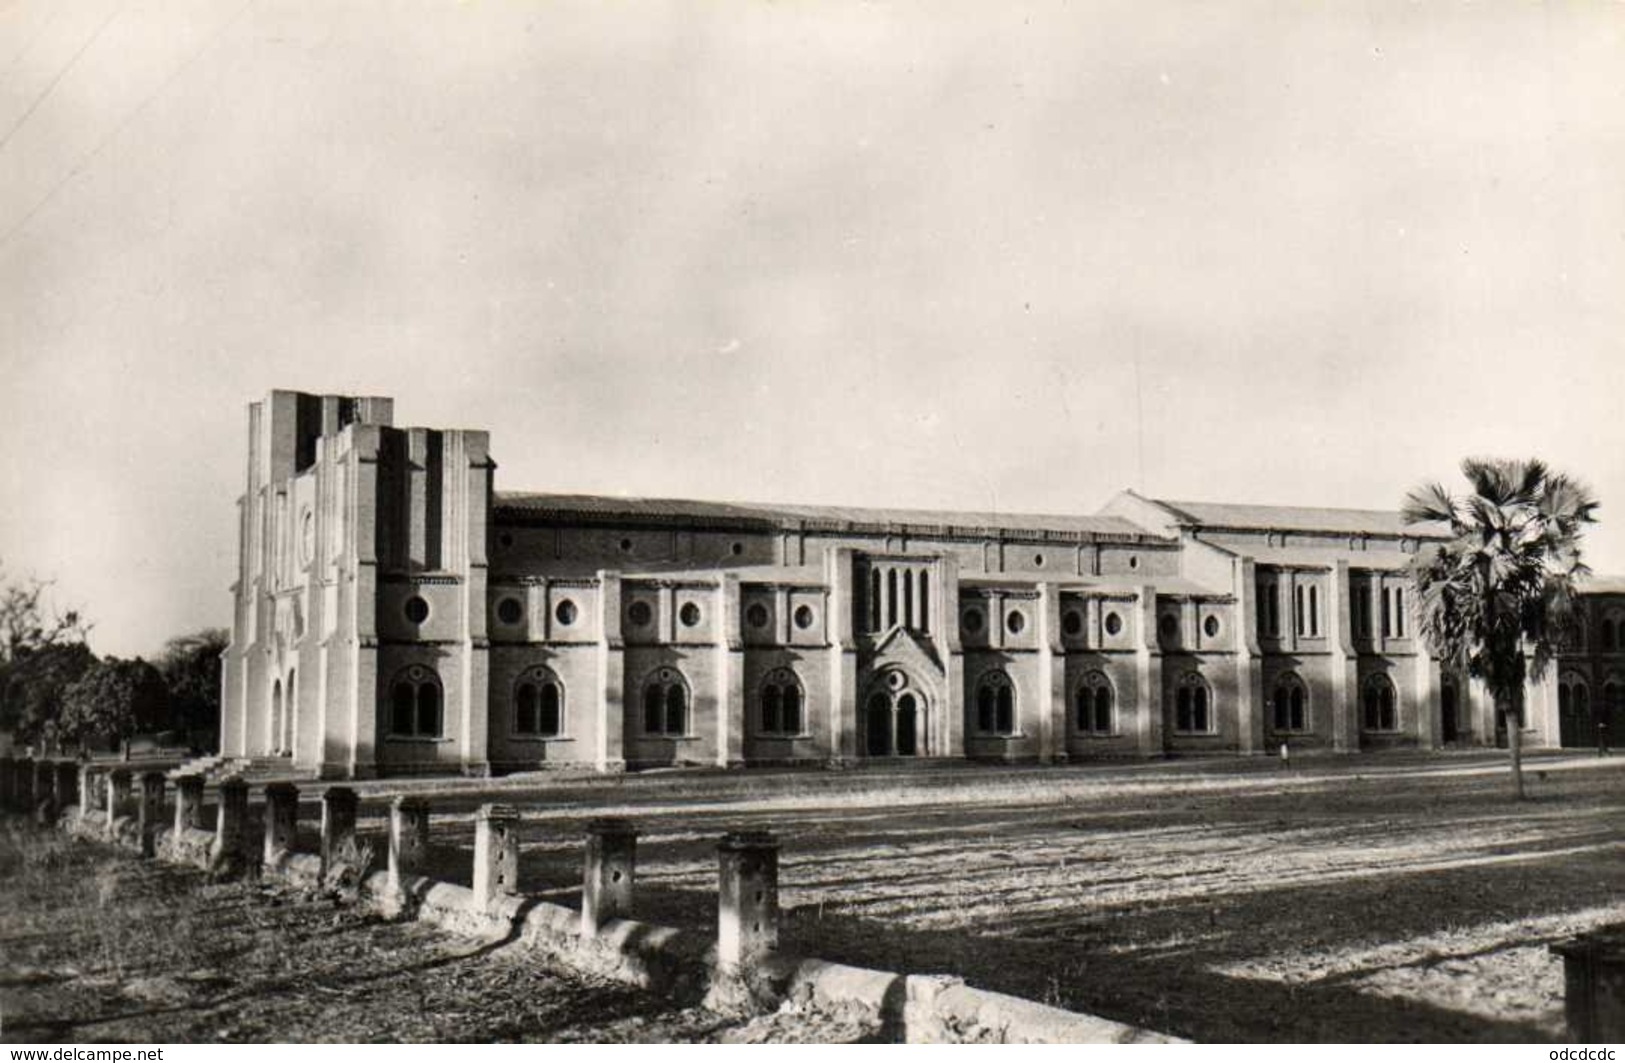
{"type": "Point", "coordinates": [414, 704]}
{"type": "Point", "coordinates": [908, 598]}
{"type": "Point", "coordinates": [1314, 610]}
{"type": "Point", "coordinates": [538, 704]}
{"type": "Point", "coordinates": [1399, 612]}
{"type": "Point", "coordinates": [1290, 703]}
{"type": "Point", "coordinates": [874, 600]}
{"type": "Point", "coordinates": [1387, 615]}
{"type": "Point", "coordinates": [780, 703]}
{"type": "Point", "coordinates": [1275, 612]}
{"type": "Point", "coordinates": [1092, 705]}
{"type": "Point", "coordinates": [995, 704]}
{"type": "Point", "coordinates": [1297, 610]}
{"type": "Point", "coordinates": [665, 703]}
{"type": "Point", "coordinates": [1381, 705]}
{"type": "Point", "coordinates": [891, 597]}
{"type": "Point", "coordinates": [925, 602]}
{"type": "Point", "coordinates": [1192, 706]}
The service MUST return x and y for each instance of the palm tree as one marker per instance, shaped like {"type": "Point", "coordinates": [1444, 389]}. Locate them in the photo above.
{"type": "Point", "coordinates": [1497, 599]}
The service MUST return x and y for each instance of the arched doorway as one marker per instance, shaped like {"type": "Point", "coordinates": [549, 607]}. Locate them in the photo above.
{"type": "Point", "coordinates": [894, 718]}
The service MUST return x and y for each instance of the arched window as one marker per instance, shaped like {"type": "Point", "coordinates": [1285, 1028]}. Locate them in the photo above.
{"type": "Point", "coordinates": [1291, 703]}
{"type": "Point", "coordinates": [1381, 704]}
{"type": "Point", "coordinates": [538, 704]}
{"type": "Point", "coordinates": [779, 710]}
{"type": "Point", "coordinates": [995, 704]}
{"type": "Point", "coordinates": [1092, 705]}
{"type": "Point", "coordinates": [414, 703]}
{"type": "Point", "coordinates": [665, 703]}
{"type": "Point", "coordinates": [1193, 705]}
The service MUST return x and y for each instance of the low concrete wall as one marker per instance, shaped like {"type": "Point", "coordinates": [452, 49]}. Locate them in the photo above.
{"type": "Point", "coordinates": [679, 963]}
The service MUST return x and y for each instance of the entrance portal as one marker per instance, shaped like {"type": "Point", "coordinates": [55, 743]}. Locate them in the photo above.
{"type": "Point", "coordinates": [894, 719]}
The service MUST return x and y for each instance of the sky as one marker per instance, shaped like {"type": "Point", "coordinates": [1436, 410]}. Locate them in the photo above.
{"type": "Point", "coordinates": [1008, 257]}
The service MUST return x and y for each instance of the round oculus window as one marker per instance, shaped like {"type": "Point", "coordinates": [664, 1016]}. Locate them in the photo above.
{"type": "Point", "coordinates": [640, 613]}
{"type": "Point", "coordinates": [565, 612]}
{"type": "Point", "coordinates": [1038, 560]}
{"type": "Point", "coordinates": [1072, 622]}
{"type": "Point", "coordinates": [1168, 625]}
{"type": "Point", "coordinates": [1133, 562]}
{"type": "Point", "coordinates": [417, 610]}
{"type": "Point", "coordinates": [689, 614]}
{"type": "Point", "coordinates": [509, 611]}
{"type": "Point", "coordinates": [756, 615]}
{"type": "Point", "coordinates": [626, 546]}
{"type": "Point", "coordinates": [804, 617]}
{"type": "Point", "coordinates": [1016, 621]}
{"type": "Point", "coordinates": [972, 620]}
{"type": "Point", "coordinates": [1114, 624]}
{"type": "Point", "coordinates": [736, 549]}
{"type": "Point", "coordinates": [505, 539]}
{"type": "Point", "coordinates": [1210, 627]}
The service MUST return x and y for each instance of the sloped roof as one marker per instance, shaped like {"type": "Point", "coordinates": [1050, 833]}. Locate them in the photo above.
{"type": "Point", "coordinates": [608, 508]}
{"type": "Point", "coordinates": [1295, 518]}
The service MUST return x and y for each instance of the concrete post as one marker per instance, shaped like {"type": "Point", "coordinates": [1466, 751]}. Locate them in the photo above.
{"type": "Point", "coordinates": [188, 803]}
{"type": "Point", "coordinates": [747, 898]}
{"type": "Point", "coordinates": [281, 820]}
{"type": "Point", "coordinates": [231, 825]}
{"type": "Point", "coordinates": [496, 854]}
{"type": "Point", "coordinates": [1594, 985]}
{"type": "Point", "coordinates": [150, 812]}
{"type": "Point", "coordinates": [338, 825]}
{"type": "Point", "coordinates": [610, 867]}
{"type": "Point", "coordinates": [408, 837]}
{"type": "Point", "coordinates": [118, 797]}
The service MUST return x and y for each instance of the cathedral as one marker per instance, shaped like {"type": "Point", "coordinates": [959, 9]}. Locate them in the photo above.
{"type": "Point", "coordinates": [396, 614]}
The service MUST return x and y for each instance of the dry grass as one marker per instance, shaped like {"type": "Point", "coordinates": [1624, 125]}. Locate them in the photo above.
{"type": "Point", "coordinates": [1405, 898]}
{"type": "Point", "coordinates": [96, 945]}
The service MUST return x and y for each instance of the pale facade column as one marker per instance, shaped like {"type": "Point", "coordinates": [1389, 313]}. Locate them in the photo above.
{"type": "Point", "coordinates": [1345, 664]}
{"type": "Point", "coordinates": [730, 650]}
{"type": "Point", "coordinates": [1249, 670]}
{"type": "Point", "coordinates": [351, 741]}
{"type": "Point", "coordinates": [609, 739]}
{"type": "Point", "coordinates": [841, 712]}
{"type": "Point", "coordinates": [1051, 710]}
{"type": "Point", "coordinates": [952, 653]}
{"type": "Point", "coordinates": [1148, 671]}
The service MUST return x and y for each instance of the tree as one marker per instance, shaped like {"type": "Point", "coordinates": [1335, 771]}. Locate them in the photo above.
{"type": "Point", "coordinates": [191, 668]}
{"type": "Point", "coordinates": [115, 700]}
{"type": "Point", "coordinates": [42, 652]}
{"type": "Point", "coordinates": [1497, 599]}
